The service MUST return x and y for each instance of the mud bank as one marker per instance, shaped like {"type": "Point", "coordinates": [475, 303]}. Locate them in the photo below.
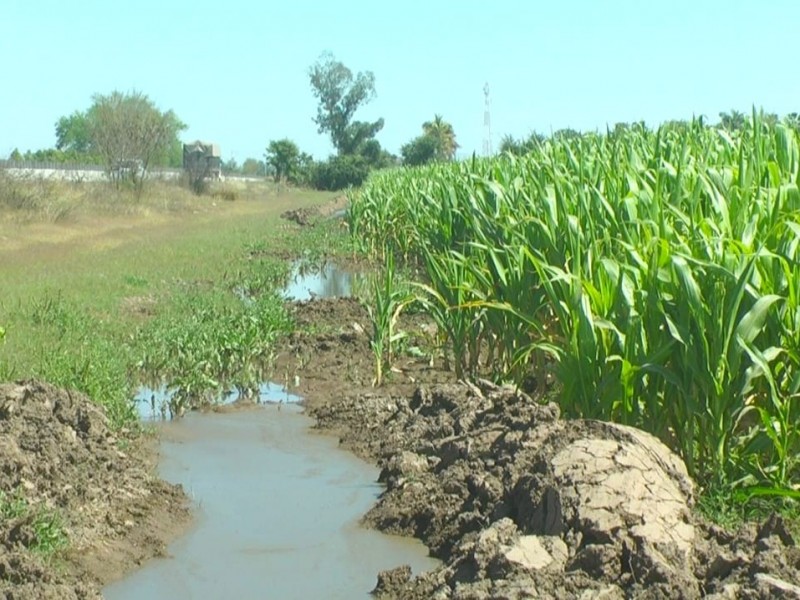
{"type": "Point", "coordinates": [60, 458]}
{"type": "Point", "coordinates": [519, 503]}
{"type": "Point", "coordinates": [277, 510]}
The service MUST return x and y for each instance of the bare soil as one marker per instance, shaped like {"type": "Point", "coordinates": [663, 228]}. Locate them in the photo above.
{"type": "Point", "coordinates": [310, 215]}
{"type": "Point", "coordinates": [59, 455]}
{"type": "Point", "coordinates": [517, 502]}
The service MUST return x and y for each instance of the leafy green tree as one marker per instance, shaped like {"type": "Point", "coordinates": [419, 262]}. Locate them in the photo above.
{"type": "Point", "coordinates": [437, 143]}
{"type": "Point", "coordinates": [442, 132]}
{"type": "Point", "coordinates": [340, 95]}
{"type": "Point", "coordinates": [284, 157]}
{"type": "Point", "coordinates": [304, 175]}
{"type": "Point", "coordinates": [376, 156]}
{"type": "Point", "coordinates": [419, 151]}
{"type": "Point", "coordinates": [15, 155]}
{"type": "Point", "coordinates": [73, 133]}
{"type": "Point", "coordinates": [130, 134]}
{"type": "Point", "coordinates": [252, 167]}
{"type": "Point", "coordinates": [52, 155]}
{"type": "Point", "coordinates": [340, 172]}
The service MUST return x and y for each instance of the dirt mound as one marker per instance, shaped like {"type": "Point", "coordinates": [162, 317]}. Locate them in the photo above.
{"type": "Point", "coordinates": [62, 467]}
{"type": "Point", "coordinates": [521, 504]}
{"type": "Point", "coordinates": [308, 216]}
{"type": "Point", "coordinates": [331, 356]}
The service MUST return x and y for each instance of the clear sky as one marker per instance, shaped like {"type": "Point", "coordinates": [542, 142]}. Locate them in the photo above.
{"type": "Point", "coordinates": [237, 72]}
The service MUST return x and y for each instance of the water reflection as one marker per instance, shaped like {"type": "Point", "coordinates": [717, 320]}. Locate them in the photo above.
{"type": "Point", "coordinates": [153, 404]}
{"type": "Point", "coordinates": [327, 281]}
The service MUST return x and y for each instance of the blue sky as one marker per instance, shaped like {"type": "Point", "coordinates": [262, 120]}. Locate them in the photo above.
{"type": "Point", "coordinates": [237, 72]}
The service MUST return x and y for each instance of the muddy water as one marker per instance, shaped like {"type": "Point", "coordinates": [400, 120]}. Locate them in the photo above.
{"type": "Point", "coordinates": [326, 281]}
{"type": "Point", "coordinates": [277, 513]}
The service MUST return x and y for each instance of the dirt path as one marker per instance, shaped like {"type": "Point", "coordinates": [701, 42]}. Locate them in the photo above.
{"type": "Point", "coordinates": [517, 502]}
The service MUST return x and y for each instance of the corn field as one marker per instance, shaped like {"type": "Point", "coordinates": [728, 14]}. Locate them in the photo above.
{"type": "Point", "coordinates": [654, 273]}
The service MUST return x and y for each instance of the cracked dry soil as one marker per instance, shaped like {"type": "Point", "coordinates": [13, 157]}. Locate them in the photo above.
{"type": "Point", "coordinates": [517, 502]}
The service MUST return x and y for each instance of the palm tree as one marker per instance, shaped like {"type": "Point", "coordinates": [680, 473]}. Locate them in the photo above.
{"type": "Point", "coordinates": [445, 137]}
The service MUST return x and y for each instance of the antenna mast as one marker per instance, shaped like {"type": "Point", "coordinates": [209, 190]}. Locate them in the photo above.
{"type": "Point", "coordinates": [487, 123]}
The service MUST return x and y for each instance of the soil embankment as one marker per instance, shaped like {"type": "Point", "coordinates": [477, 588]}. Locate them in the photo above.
{"type": "Point", "coordinates": [66, 474]}
{"type": "Point", "coordinates": [517, 502]}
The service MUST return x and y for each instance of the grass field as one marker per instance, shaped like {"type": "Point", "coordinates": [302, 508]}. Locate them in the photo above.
{"type": "Point", "coordinates": [79, 293]}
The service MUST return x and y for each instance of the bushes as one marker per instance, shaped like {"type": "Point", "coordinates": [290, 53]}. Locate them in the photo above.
{"type": "Point", "coordinates": [340, 172]}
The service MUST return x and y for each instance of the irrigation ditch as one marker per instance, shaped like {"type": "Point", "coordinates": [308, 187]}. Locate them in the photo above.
{"type": "Point", "coordinates": [510, 499]}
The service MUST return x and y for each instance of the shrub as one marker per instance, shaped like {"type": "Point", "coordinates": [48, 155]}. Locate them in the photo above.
{"type": "Point", "coordinates": [340, 172]}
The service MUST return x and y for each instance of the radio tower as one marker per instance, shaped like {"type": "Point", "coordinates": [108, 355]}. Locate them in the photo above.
{"type": "Point", "coordinates": [487, 123]}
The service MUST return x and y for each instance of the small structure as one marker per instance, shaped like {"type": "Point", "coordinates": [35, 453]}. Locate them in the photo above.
{"type": "Point", "coordinates": [202, 160]}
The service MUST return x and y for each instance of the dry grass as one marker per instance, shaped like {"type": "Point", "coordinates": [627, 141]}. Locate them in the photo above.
{"type": "Point", "coordinates": [99, 218]}
{"type": "Point", "coordinates": [32, 199]}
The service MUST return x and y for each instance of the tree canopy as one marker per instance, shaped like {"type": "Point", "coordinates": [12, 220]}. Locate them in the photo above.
{"type": "Point", "coordinates": [442, 133]}
{"type": "Point", "coordinates": [284, 157]}
{"type": "Point", "coordinates": [125, 132]}
{"type": "Point", "coordinates": [419, 151]}
{"type": "Point", "coordinates": [437, 143]}
{"type": "Point", "coordinates": [340, 95]}
{"type": "Point", "coordinates": [127, 128]}
{"type": "Point", "coordinates": [252, 167]}
{"type": "Point", "coordinates": [72, 133]}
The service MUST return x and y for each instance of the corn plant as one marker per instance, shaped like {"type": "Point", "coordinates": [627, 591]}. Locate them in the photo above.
{"type": "Point", "coordinates": [656, 270]}
{"type": "Point", "coordinates": [384, 308]}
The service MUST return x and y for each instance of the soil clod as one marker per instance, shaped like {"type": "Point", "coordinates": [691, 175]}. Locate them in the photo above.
{"type": "Point", "coordinates": [65, 475]}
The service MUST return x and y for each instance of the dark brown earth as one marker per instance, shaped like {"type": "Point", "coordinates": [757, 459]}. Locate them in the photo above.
{"type": "Point", "coordinates": [517, 502]}
{"type": "Point", "coordinates": [58, 453]}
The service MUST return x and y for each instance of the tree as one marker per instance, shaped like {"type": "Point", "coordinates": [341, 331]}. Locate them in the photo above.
{"type": "Point", "coordinates": [130, 134]}
{"type": "Point", "coordinates": [252, 167]}
{"type": "Point", "coordinates": [732, 121]}
{"type": "Point", "coordinates": [519, 147]}
{"type": "Point", "coordinates": [15, 155]}
{"type": "Point", "coordinates": [441, 131]}
{"type": "Point", "coordinates": [73, 133]}
{"type": "Point", "coordinates": [437, 142]}
{"type": "Point", "coordinates": [340, 95]}
{"type": "Point", "coordinates": [340, 172]}
{"type": "Point", "coordinates": [376, 156]}
{"type": "Point", "coordinates": [566, 134]}
{"type": "Point", "coordinates": [419, 151]}
{"type": "Point", "coordinates": [284, 157]}
{"type": "Point", "coordinates": [230, 167]}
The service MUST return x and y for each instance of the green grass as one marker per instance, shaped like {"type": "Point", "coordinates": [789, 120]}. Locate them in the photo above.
{"type": "Point", "coordinates": [77, 297]}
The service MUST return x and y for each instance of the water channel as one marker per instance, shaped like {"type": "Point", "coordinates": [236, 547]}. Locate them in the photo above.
{"type": "Point", "coordinates": [277, 509]}
{"type": "Point", "coordinates": [322, 281]}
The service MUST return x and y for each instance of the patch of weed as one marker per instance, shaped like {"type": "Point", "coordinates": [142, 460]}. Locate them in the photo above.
{"type": "Point", "coordinates": [48, 531]}
{"type": "Point", "coordinates": [208, 342]}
